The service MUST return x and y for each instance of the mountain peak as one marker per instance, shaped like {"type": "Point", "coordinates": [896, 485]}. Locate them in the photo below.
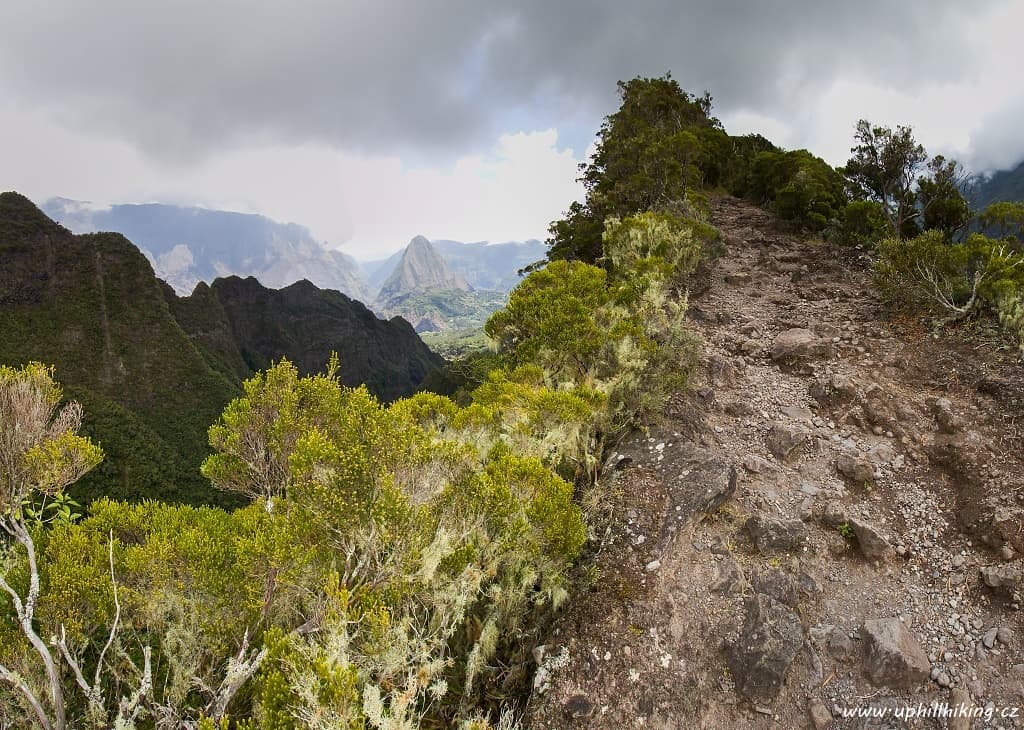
{"type": "Point", "coordinates": [18, 213]}
{"type": "Point", "coordinates": [421, 269]}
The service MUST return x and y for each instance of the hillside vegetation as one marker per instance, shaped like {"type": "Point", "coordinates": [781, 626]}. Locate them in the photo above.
{"type": "Point", "coordinates": [395, 565]}
{"type": "Point", "coordinates": [153, 370]}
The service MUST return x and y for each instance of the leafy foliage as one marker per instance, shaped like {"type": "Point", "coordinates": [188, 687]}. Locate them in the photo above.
{"type": "Point", "coordinates": [861, 223]}
{"type": "Point", "coordinates": [660, 144]}
{"type": "Point", "coordinates": [943, 206]}
{"type": "Point", "coordinates": [798, 186]}
{"type": "Point", "coordinates": [955, 280]}
{"type": "Point", "coordinates": [1004, 219]}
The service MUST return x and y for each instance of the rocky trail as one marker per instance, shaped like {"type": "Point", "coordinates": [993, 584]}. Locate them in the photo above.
{"type": "Point", "coordinates": [829, 523]}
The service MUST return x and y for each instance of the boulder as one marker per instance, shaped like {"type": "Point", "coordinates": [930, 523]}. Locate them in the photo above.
{"type": "Point", "coordinates": [856, 468]}
{"type": "Point", "coordinates": [769, 641]}
{"type": "Point", "coordinates": [771, 534]}
{"type": "Point", "coordinates": [797, 345]}
{"type": "Point", "coordinates": [892, 655]}
{"type": "Point", "coordinates": [785, 441]}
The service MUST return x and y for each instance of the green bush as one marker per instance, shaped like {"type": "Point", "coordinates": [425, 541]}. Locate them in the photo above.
{"type": "Point", "coordinates": [798, 186]}
{"type": "Point", "coordinates": [861, 223]}
{"type": "Point", "coordinates": [952, 280]}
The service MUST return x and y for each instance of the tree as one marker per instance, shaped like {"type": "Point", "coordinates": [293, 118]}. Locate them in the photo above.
{"type": "Point", "coordinates": [660, 143]}
{"type": "Point", "coordinates": [40, 454]}
{"type": "Point", "coordinates": [940, 196]}
{"type": "Point", "coordinates": [884, 168]}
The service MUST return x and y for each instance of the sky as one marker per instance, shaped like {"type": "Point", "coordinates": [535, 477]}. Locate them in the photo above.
{"type": "Point", "coordinates": [372, 121]}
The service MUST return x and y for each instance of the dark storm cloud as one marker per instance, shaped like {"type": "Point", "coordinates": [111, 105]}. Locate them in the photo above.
{"type": "Point", "coordinates": [184, 78]}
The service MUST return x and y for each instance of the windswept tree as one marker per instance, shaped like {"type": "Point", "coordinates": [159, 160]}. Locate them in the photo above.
{"type": "Point", "coordinates": [884, 168]}
{"type": "Point", "coordinates": [1005, 219]}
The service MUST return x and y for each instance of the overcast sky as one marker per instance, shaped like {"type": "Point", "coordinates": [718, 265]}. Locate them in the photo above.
{"type": "Point", "coordinates": [373, 121]}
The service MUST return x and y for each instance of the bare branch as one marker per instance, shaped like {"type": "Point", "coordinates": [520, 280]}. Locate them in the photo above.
{"type": "Point", "coordinates": [26, 691]}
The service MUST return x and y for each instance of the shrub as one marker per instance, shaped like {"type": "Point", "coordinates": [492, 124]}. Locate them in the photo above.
{"type": "Point", "coordinates": [798, 186]}
{"type": "Point", "coordinates": [861, 223]}
{"type": "Point", "coordinates": [950, 279]}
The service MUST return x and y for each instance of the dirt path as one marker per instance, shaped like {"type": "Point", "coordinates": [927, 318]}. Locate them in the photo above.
{"type": "Point", "coordinates": [831, 521]}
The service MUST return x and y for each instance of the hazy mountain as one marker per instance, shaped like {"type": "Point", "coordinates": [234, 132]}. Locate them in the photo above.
{"type": "Point", "coordinates": [420, 269]}
{"type": "Point", "coordinates": [1004, 185]}
{"type": "Point", "coordinates": [189, 245]}
{"type": "Point", "coordinates": [491, 266]}
{"type": "Point", "coordinates": [154, 370]}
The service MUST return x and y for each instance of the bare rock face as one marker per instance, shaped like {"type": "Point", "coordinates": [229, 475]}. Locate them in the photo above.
{"type": "Point", "coordinates": [785, 441]}
{"type": "Point", "coordinates": [768, 643]}
{"type": "Point", "coordinates": [892, 655]}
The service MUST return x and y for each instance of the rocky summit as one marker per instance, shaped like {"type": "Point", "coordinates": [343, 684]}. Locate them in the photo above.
{"type": "Point", "coordinates": [864, 555]}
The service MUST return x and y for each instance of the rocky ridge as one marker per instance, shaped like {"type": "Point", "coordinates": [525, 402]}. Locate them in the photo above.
{"type": "Point", "coordinates": [829, 523]}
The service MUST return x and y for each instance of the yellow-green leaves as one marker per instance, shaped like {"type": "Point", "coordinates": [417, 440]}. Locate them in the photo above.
{"type": "Point", "coordinates": [40, 449]}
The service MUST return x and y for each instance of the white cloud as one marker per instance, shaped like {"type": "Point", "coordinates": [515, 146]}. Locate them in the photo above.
{"type": "Point", "coordinates": [369, 205]}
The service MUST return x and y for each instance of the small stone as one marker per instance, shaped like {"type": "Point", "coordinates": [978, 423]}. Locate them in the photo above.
{"type": "Point", "coordinates": [942, 680]}
{"type": "Point", "coordinates": [839, 644]}
{"type": "Point", "coordinates": [579, 706]}
{"type": "Point", "coordinates": [833, 514]}
{"type": "Point", "coordinates": [1005, 578]}
{"type": "Point", "coordinates": [785, 441]}
{"type": "Point", "coordinates": [960, 703]}
{"type": "Point", "coordinates": [870, 541]}
{"type": "Point", "coordinates": [855, 468]}
{"type": "Point", "coordinates": [989, 639]}
{"type": "Point", "coordinates": [652, 566]}
{"type": "Point", "coordinates": [771, 534]}
{"type": "Point", "coordinates": [821, 718]}
{"type": "Point", "coordinates": [1004, 635]}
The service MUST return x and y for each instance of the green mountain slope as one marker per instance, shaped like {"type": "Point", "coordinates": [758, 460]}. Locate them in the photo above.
{"type": "Point", "coordinates": [242, 326]}
{"type": "Point", "coordinates": [91, 306]}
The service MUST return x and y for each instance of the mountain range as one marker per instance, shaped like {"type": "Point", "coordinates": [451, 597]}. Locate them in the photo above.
{"type": "Point", "coordinates": [437, 285]}
{"type": "Point", "coordinates": [154, 370]}
{"type": "Point", "coordinates": [187, 245]}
